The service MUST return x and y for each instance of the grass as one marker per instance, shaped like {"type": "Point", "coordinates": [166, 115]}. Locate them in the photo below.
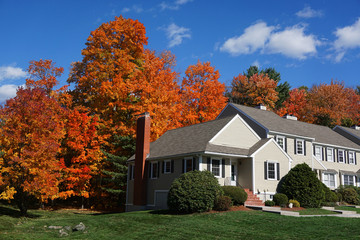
{"type": "Point", "coordinates": [348, 209]}
{"type": "Point", "coordinates": [160, 225]}
{"type": "Point", "coordinates": [315, 211]}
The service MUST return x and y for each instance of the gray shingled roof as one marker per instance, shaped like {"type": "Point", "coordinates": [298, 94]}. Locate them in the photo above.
{"type": "Point", "coordinates": [274, 122]}
{"type": "Point", "coordinates": [352, 131]}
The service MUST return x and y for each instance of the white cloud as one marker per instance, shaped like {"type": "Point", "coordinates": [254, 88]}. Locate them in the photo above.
{"type": "Point", "coordinates": [347, 38]}
{"type": "Point", "coordinates": [308, 12]}
{"type": "Point", "coordinates": [176, 34]}
{"type": "Point", "coordinates": [173, 6]}
{"type": "Point", "coordinates": [10, 72]}
{"type": "Point", "coordinates": [253, 38]}
{"type": "Point", "coordinates": [133, 8]}
{"type": "Point", "coordinates": [292, 42]}
{"type": "Point", "coordinates": [7, 91]}
{"type": "Point", "coordinates": [256, 63]}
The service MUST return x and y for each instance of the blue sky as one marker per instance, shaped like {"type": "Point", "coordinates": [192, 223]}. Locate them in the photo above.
{"type": "Point", "coordinates": [308, 42]}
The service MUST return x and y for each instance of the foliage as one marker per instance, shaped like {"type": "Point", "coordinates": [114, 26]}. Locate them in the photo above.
{"type": "Point", "coordinates": [193, 191]}
{"type": "Point", "coordinates": [349, 195]}
{"type": "Point", "coordinates": [269, 203]}
{"type": "Point", "coordinates": [330, 196]}
{"type": "Point", "coordinates": [202, 94]}
{"type": "Point", "coordinates": [222, 203]}
{"type": "Point", "coordinates": [237, 194]}
{"type": "Point", "coordinates": [294, 202]}
{"type": "Point", "coordinates": [258, 89]}
{"type": "Point", "coordinates": [295, 105]}
{"type": "Point", "coordinates": [32, 127]}
{"type": "Point", "coordinates": [301, 183]}
{"type": "Point", "coordinates": [280, 199]}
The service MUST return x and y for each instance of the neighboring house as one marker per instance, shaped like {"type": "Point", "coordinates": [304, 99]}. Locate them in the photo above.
{"type": "Point", "coordinates": [248, 147]}
{"type": "Point", "coordinates": [352, 133]}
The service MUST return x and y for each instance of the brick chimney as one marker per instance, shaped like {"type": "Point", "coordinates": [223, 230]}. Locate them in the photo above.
{"type": "Point", "coordinates": [142, 151]}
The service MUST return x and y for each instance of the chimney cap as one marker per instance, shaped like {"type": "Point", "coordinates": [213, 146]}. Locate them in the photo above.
{"type": "Point", "coordinates": [261, 106]}
{"type": "Point", "coordinates": [356, 127]}
{"type": "Point", "coordinates": [291, 117]}
{"type": "Point", "coordinates": [145, 114]}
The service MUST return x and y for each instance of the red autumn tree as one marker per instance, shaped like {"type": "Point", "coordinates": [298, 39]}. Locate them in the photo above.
{"type": "Point", "coordinates": [255, 90]}
{"type": "Point", "coordinates": [32, 127]}
{"type": "Point", "coordinates": [296, 105]}
{"type": "Point", "coordinates": [202, 94]}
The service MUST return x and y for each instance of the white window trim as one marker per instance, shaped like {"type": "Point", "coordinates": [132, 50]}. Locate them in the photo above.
{"type": "Point", "coordinates": [343, 151]}
{"type": "Point", "coordinates": [343, 180]}
{"type": "Point", "coordinates": [283, 138]}
{"type": "Point", "coordinates": [167, 161]}
{"type": "Point", "coordinates": [335, 181]}
{"type": "Point", "coordinates": [321, 152]}
{"type": "Point", "coordinates": [152, 167]}
{"type": "Point", "coordinates": [303, 146]}
{"type": "Point", "coordinates": [275, 169]}
{"type": "Point", "coordinates": [353, 157]}
{"type": "Point", "coordinates": [185, 163]}
{"type": "Point", "coordinates": [220, 166]}
{"type": "Point", "coordinates": [332, 154]}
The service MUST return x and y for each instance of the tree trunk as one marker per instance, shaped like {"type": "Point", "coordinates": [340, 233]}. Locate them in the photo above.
{"type": "Point", "coordinates": [21, 202]}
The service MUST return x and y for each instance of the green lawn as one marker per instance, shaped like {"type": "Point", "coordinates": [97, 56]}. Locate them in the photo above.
{"type": "Point", "coordinates": [159, 225]}
{"type": "Point", "coordinates": [315, 211]}
{"type": "Point", "coordinates": [348, 209]}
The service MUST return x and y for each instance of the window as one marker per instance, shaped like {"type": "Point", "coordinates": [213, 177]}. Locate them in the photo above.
{"type": "Point", "coordinates": [167, 166]}
{"type": "Point", "coordinates": [154, 170]}
{"type": "Point", "coordinates": [351, 157]}
{"type": "Point", "coordinates": [215, 167]}
{"type": "Point", "coordinates": [281, 141]}
{"type": "Point", "coordinates": [349, 180]}
{"type": "Point", "coordinates": [271, 170]}
{"type": "Point", "coordinates": [299, 147]}
{"type": "Point", "coordinates": [188, 165]}
{"type": "Point", "coordinates": [318, 152]}
{"type": "Point", "coordinates": [341, 155]}
{"type": "Point", "coordinates": [330, 154]}
{"type": "Point", "coordinates": [329, 179]}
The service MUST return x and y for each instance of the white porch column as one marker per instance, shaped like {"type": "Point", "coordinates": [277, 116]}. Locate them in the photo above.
{"type": "Point", "coordinates": [200, 163]}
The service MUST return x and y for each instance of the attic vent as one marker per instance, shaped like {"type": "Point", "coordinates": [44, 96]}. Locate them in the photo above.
{"type": "Point", "coordinates": [291, 117]}
{"type": "Point", "coordinates": [356, 127]}
{"type": "Point", "coordinates": [261, 106]}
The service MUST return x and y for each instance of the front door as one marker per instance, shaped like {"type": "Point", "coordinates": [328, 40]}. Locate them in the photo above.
{"type": "Point", "coordinates": [233, 173]}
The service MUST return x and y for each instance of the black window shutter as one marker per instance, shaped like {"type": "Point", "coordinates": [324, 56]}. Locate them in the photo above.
{"type": "Point", "coordinates": [323, 154]}
{"type": "Point", "coordinates": [326, 157]}
{"type": "Point", "coordinates": [223, 167]}
{"type": "Point", "coordinates": [172, 166]}
{"type": "Point", "coordinates": [163, 167]}
{"type": "Point", "coordinates": [278, 170]}
{"type": "Point", "coordinates": [347, 157]}
{"type": "Point", "coordinates": [295, 147]}
{"type": "Point", "coordinates": [265, 170]}
{"type": "Point", "coordinates": [208, 163]}
{"type": "Point", "coordinates": [194, 163]}
{"type": "Point", "coordinates": [183, 166]}
{"type": "Point", "coordinates": [336, 154]}
{"type": "Point", "coordinates": [355, 158]}
{"type": "Point", "coordinates": [314, 150]}
{"type": "Point", "coordinates": [304, 147]}
{"type": "Point", "coordinates": [285, 142]}
{"type": "Point", "coordinates": [158, 171]}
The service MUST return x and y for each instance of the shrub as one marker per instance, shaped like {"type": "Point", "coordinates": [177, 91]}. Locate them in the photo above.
{"type": "Point", "coordinates": [237, 194]}
{"type": "Point", "coordinates": [223, 203]}
{"type": "Point", "coordinates": [280, 199]}
{"type": "Point", "coordinates": [302, 184]}
{"type": "Point", "coordinates": [193, 191]}
{"type": "Point", "coordinates": [350, 196]}
{"type": "Point", "coordinates": [330, 196]}
{"type": "Point", "coordinates": [329, 204]}
{"type": "Point", "coordinates": [269, 203]}
{"type": "Point", "coordinates": [339, 196]}
{"type": "Point", "coordinates": [294, 202]}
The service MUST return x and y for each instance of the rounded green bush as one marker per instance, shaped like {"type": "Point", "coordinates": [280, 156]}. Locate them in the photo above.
{"type": "Point", "coordinates": [223, 203]}
{"type": "Point", "coordinates": [237, 194]}
{"type": "Point", "coordinates": [302, 184]}
{"type": "Point", "coordinates": [269, 203]}
{"type": "Point", "coordinates": [280, 199]}
{"type": "Point", "coordinates": [350, 196]}
{"type": "Point", "coordinates": [330, 196]}
{"type": "Point", "coordinates": [193, 191]}
{"type": "Point", "coordinates": [294, 202]}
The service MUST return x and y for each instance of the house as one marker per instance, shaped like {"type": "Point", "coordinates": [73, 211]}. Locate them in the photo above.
{"type": "Point", "coordinates": [352, 133]}
{"type": "Point", "coordinates": [248, 147]}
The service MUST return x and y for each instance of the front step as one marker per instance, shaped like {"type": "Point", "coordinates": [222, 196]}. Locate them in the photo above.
{"type": "Point", "coordinates": [252, 199]}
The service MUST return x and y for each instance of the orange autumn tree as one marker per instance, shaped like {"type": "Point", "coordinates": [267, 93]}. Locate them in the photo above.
{"type": "Point", "coordinates": [202, 94]}
{"type": "Point", "coordinates": [296, 105]}
{"type": "Point", "coordinates": [258, 89]}
{"type": "Point", "coordinates": [330, 104]}
{"type": "Point", "coordinates": [32, 127]}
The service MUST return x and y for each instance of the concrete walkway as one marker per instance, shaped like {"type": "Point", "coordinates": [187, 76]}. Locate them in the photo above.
{"type": "Point", "coordinates": [277, 210]}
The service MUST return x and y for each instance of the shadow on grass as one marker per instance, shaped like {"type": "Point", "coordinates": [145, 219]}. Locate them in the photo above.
{"type": "Point", "coordinates": [9, 211]}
